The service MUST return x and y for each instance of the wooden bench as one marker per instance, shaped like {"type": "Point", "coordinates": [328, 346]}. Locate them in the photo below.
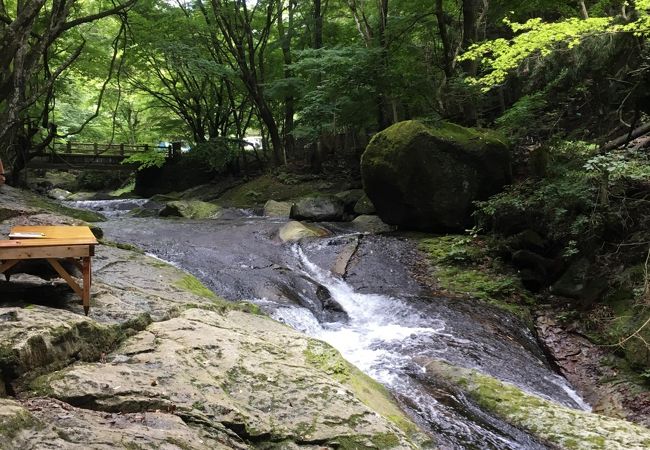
{"type": "Point", "coordinates": [52, 243]}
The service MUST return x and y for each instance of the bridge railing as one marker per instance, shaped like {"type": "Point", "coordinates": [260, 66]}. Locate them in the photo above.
{"type": "Point", "coordinates": [96, 149]}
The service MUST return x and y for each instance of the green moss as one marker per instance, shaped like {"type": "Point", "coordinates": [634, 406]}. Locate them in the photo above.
{"type": "Point", "coordinates": [54, 207]}
{"type": "Point", "coordinates": [368, 391]}
{"type": "Point", "coordinates": [385, 440]}
{"type": "Point", "coordinates": [463, 266]}
{"type": "Point", "coordinates": [401, 134]}
{"type": "Point", "coordinates": [327, 359]}
{"type": "Point", "coordinates": [191, 209]}
{"type": "Point", "coordinates": [549, 421]}
{"type": "Point", "coordinates": [123, 246]}
{"type": "Point", "coordinates": [191, 284]}
{"type": "Point", "coordinates": [13, 419]}
{"type": "Point", "coordinates": [42, 385]}
{"type": "Point", "coordinates": [256, 192]}
{"type": "Point", "coordinates": [124, 190]}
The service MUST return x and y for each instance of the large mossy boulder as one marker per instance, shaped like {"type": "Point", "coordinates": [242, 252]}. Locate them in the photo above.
{"type": "Point", "coordinates": [427, 178]}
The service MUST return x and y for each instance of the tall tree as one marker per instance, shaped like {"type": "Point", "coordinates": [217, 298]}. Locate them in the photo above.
{"type": "Point", "coordinates": [246, 29]}
{"type": "Point", "coordinates": [39, 41]}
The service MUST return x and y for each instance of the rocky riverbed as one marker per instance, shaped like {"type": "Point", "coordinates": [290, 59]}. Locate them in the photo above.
{"type": "Point", "coordinates": [163, 362]}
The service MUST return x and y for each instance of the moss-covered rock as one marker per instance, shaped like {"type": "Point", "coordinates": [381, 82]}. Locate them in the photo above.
{"type": "Point", "coordinates": [561, 426]}
{"type": "Point", "coordinates": [267, 382]}
{"type": "Point", "coordinates": [318, 208]}
{"type": "Point", "coordinates": [294, 231]}
{"type": "Point", "coordinates": [191, 209]}
{"type": "Point", "coordinates": [277, 209]}
{"type": "Point", "coordinates": [461, 266]}
{"type": "Point", "coordinates": [350, 198]}
{"type": "Point", "coordinates": [428, 178]}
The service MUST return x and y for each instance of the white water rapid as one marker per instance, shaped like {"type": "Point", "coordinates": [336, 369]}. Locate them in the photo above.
{"type": "Point", "coordinates": [384, 337]}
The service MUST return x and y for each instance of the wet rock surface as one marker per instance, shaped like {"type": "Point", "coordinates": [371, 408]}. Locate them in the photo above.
{"type": "Point", "coordinates": [261, 268]}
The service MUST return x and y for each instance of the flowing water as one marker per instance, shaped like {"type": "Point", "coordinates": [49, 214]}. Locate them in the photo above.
{"type": "Point", "coordinates": [377, 316]}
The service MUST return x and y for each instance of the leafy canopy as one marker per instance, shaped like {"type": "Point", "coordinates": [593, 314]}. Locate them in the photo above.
{"type": "Point", "coordinates": [501, 57]}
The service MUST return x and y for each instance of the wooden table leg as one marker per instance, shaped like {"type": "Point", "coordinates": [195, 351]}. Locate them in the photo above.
{"type": "Point", "coordinates": [5, 266]}
{"type": "Point", "coordinates": [86, 270]}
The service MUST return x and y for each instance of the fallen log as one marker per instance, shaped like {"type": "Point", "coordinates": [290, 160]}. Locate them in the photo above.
{"type": "Point", "coordinates": [627, 137]}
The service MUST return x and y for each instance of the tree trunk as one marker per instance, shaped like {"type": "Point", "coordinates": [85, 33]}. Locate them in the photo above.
{"type": "Point", "coordinates": [382, 103]}
{"type": "Point", "coordinates": [289, 108]}
{"type": "Point", "coordinates": [470, 36]}
{"type": "Point", "coordinates": [318, 24]}
{"type": "Point", "coordinates": [583, 9]}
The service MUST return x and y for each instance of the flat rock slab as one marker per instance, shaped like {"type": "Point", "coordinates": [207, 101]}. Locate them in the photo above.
{"type": "Point", "coordinates": [46, 423]}
{"type": "Point", "coordinates": [243, 371]}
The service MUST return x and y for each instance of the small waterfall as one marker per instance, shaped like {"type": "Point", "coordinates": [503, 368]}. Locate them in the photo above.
{"type": "Point", "coordinates": [109, 208]}
{"type": "Point", "coordinates": [385, 335]}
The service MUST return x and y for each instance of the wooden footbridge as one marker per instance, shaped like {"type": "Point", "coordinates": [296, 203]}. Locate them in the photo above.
{"type": "Point", "coordinates": [77, 155]}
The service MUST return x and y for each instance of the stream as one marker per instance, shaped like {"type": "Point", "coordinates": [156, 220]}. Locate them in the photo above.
{"type": "Point", "coordinates": [377, 315]}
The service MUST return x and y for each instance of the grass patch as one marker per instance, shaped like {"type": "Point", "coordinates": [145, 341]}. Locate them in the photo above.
{"type": "Point", "coordinates": [192, 284]}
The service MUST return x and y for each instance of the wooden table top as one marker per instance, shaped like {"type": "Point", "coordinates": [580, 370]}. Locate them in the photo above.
{"type": "Point", "coordinates": [50, 236]}
{"type": "Point", "coordinates": [56, 232]}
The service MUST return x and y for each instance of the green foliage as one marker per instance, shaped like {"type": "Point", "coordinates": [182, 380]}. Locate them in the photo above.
{"type": "Point", "coordinates": [534, 37]}
{"type": "Point", "coordinates": [567, 205]}
{"type": "Point", "coordinates": [336, 86]}
{"type": "Point", "coordinates": [152, 158]}
{"type": "Point", "coordinates": [625, 165]}
{"type": "Point", "coordinates": [524, 116]}
{"type": "Point", "coordinates": [537, 38]}
{"type": "Point", "coordinates": [214, 155]}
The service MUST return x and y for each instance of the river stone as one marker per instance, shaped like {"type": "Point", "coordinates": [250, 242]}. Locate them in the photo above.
{"type": "Point", "coordinates": [426, 178]}
{"type": "Point", "coordinates": [191, 209]}
{"type": "Point", "coordinates": [580, 283]}
{"type": "Point", "coordinates": [294, 231]}
{"type": "Point", "coordinates": [318, 208]}
{"type": "Point", "coordinates": [371, 224]}
{"type": "Point", "coordinates": [258, 377]}
{"type": "Point", "coordinates": [350, 198]}
{"type": "Point", "coordinates": [364, 206]}
{"type": "Point", "coordinates": [277, 209]}
{"type": "Point", "coordinates": [58, 194]}
{"type": "Point", "coordinates": [550, 422]}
